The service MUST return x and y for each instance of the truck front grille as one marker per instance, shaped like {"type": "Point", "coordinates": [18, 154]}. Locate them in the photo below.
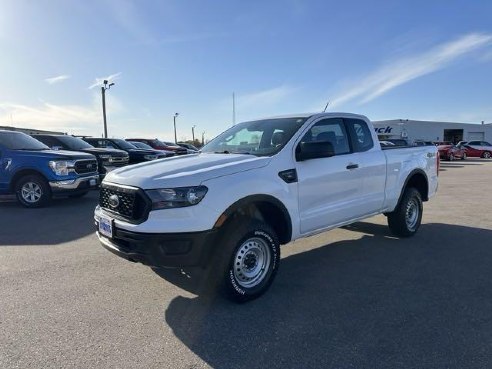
{"type": "Point", "coordinates": [129, 203]}
{"type": "Point", "coordinates": [119, 160]}
{"type": "Point", "coordinates": [85, 166]}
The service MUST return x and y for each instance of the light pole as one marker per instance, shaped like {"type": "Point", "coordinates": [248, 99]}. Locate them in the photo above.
{"type": "Point", "coordinates": [203, 138]}
{"type": "Point", "coordinates": [193, 133]}
{"type": "Point", "coordinates": [103, 93]}
{"type": "Point", "coordinates": [175, 136]}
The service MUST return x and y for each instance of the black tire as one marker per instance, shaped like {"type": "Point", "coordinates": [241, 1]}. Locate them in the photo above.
{"type": "Point", "coordinates": [405, 220]}
{"type": "Point", "coordinates": [486, 155]}
{"type": "Point", "coordinates": [78, 195]}
{"type": "Point", "coordinates": [248, 260]}
{"type": "Point", "coordinates": [33, 191]}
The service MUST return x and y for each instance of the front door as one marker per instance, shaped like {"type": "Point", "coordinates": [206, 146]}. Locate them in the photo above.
{"type": "Point", "coordinates": [329, 188]}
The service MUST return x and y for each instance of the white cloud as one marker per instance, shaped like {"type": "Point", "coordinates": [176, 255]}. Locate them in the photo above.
{"type": "Point", "coordinates": [78, 119]}
{"type": "Point", "coordinates": [98, 82]}
{"type": "Point", "coordinates": [411, 67]}
{"type": "Point", "coordinates": [264, 98]}
{"type": "Point", "coordinates": [57, 79]}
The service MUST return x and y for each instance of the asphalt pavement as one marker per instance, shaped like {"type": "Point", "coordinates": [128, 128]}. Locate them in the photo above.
{"type": "Point", "coordinates": [355, 297]}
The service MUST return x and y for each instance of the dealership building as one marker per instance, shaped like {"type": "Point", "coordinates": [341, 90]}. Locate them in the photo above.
{"type": "Point", "coordinates": [418, 130]}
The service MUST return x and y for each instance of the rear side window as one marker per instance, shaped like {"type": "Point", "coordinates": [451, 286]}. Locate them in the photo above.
{"type": "Point", "coordinates": [360, 135]}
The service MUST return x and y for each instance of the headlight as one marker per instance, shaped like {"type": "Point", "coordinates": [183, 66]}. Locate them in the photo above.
{"type": "Point", "coordinates": [180, 197]}
{"type": "Point", "coordinates": [104, 157]}
{"type": "Point", "coordinates": [150, 157]}
{"type": "Point", "coordinates": [61, 167]}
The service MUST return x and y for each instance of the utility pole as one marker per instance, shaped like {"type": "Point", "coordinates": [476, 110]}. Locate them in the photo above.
{"type": "Point", "coordinates": [103, 93]}
{"type": "Point", "coordinates": [233, 109]}
{"type": "Point", "coordinates": [175, 136]}
{"type": "Point", "coordinates": [203, 138]}
{"type": "Point", "coordinates": [193, 133]}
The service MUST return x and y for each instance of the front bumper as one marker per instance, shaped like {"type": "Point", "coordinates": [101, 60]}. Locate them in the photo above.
{"type": "Point", "coordinates": [78, 184]}
{"type": "Point", "coordinates": [161, 250]}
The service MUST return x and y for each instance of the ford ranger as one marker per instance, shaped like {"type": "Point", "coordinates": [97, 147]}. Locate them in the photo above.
{"type": "Point", "coordinates": [256, 186]}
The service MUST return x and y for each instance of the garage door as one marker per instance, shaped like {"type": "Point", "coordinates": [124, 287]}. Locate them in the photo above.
{"type": "Point", "coordinates": [476, 136]}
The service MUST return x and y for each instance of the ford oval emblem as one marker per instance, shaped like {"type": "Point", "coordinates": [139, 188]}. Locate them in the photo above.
{"type": "Point", "coordinates": [114, 201]}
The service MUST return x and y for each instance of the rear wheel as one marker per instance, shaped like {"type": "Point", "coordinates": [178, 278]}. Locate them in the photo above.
{"type": "Point", "coordinates": [249, 260]}
{"type": "Point", "coordinates": [463, 157]}
{"type": "Point", "coordinates": [486, 155]}
{"type": "Point", "coordinates": [33, 191]}
{"type": "Point", "coordinates": [406, 219]}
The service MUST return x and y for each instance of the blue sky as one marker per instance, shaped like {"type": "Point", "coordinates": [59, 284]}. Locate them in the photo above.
{"type": "Point", "coordinates": [388, 59]}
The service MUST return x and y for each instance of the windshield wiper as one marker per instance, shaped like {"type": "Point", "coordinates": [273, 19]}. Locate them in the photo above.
{"type": "Point", "coordinates": [222, 152]}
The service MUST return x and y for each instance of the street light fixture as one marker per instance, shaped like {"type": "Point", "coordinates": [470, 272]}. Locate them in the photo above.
{"type": "Point", "coordinates": [175, 135]}
{"type": "Point", "coordinates": [105, 87]}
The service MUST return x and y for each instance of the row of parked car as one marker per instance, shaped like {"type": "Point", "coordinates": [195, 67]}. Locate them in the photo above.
{"type": "Point", "coordinates": [465, 149]}
{"type": "Point", "coordinates": [38, 167]}
{"type": "Point", "coordinates": [448, 150]}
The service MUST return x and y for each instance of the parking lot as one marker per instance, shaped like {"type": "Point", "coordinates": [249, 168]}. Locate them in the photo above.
{"type": "Point", "coordinates": [350, 298]}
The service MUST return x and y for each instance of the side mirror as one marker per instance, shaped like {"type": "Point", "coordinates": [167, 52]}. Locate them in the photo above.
{"type": "Point", "coordinates": [314, 150]}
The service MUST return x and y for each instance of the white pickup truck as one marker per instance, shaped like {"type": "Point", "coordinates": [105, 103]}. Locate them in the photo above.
{"type": "Point", "coordinates": [256, 186]}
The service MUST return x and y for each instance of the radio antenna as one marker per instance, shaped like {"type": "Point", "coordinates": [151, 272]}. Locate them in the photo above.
{"type": "Point", "coordinates": [326, 106]}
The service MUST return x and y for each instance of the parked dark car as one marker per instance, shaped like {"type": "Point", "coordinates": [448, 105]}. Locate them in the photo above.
{"type": "Point", "coordinates": [136, 155]}
{"type": "Point", "coordinates": [35, 173]}
{"type": "Point", "coordinates": [141, 145]}
{"type": "Point", "coordinates": [107, 159]}
{"type": "Point", "coordinates": [188, 146]}
{"type": "Point", "coordinates": [161, 145]}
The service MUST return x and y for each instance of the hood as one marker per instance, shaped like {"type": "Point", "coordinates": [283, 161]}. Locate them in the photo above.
{"type": "Point", "coordinates": [183, 171]}
{"type": "Point", "coordinates": [54, 154]}
{"type": "Point", "coordinates": [103, 151]}
{"type": "Point", "coordinates": [142, 151]}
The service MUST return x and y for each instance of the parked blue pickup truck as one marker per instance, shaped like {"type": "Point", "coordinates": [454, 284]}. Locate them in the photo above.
{"type": "Point", "coordinates": [35, 173]}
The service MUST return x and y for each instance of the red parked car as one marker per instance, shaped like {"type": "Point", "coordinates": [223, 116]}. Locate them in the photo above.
{"type": "Point", "coordinates": [160, 145]}
{"type": "Point", "coordinates": [477, 149]}
{"type": "Point", "coordinates": [451, 152]}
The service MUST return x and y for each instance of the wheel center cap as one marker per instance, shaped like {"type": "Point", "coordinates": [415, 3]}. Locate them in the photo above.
{"type": "Point", "coordinates": [250, 261]}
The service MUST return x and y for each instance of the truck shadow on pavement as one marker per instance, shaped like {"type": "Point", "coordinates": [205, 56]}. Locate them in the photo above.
{"type": "Point", "coordinates": [373, 302]}
{"type": "Point", "coordinates": [64, 220]}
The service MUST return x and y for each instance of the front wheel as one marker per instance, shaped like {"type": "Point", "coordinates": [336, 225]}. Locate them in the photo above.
{"type": "Point", "coordinates": [33, 191]}
{"type": "Point", "coordinates": [486, 155]}
{"type": "Point", "coordinates": [250, 260]}
{"type": "Point", "coordinates": [463, 157]}
{"type": "Point", "coordinates": [405, 220]}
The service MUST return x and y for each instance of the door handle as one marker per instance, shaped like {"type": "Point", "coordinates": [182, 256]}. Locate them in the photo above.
{"type": "Point", "coordinates": [352, 166]}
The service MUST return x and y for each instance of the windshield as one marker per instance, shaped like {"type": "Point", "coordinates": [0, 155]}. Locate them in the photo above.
{"type": "Point", "coordinates": [123, 144]}
{"type": "Point", "coordinates": [140, 145]}
{"type": "Point", "coordinates": [74, 143]}
{"type": "Point", "coordinates": [20, 141]}
{"type": "Point", "coordinates": [262, 137]}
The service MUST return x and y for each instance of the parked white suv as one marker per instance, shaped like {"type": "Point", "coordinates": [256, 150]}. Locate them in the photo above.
{"type": "Point", "coordinates": [256, 186]}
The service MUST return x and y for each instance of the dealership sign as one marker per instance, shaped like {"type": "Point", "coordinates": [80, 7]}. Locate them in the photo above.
{"type": "Point", "coordinates": [387, 129]}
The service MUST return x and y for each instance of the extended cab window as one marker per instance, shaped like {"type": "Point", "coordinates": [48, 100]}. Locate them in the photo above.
{"type": "Point", "coordinates": [331, 130]}
{"type": "Point", "coordinates": [360, 134]}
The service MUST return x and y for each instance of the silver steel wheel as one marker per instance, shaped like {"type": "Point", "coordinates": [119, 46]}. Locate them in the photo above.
{"type": "Point", "coordinates": [486, 155]}
{"type": "Point", "coordinates": [31, 192]}
{"type": "Point", "coordinates": [251, 262]}
{"type": "Point", "coordinates": [412, 214]}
